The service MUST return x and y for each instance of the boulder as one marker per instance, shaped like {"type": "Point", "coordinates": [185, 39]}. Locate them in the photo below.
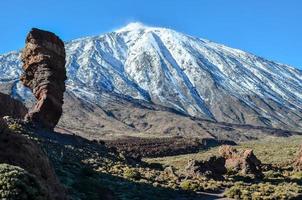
{"type": "Point", "coordinates": [213, 167]}
{"type": "Point", "coordinates": [243, 162]}
{"type": "Point", "coordinates": [11, 107]}
{"type": "Point", "coordinates": [45, 74]}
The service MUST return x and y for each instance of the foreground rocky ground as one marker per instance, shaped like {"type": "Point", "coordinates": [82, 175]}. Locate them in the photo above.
{"type": "Point", "coordinates": [92, 170]}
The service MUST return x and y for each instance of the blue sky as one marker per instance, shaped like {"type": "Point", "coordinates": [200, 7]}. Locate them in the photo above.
{"type": "Point", "coordinates": [268, 28]}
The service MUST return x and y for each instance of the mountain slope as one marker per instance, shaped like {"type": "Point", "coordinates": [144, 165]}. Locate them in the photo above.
{"type": "Point", "coordinates": [194, 76]}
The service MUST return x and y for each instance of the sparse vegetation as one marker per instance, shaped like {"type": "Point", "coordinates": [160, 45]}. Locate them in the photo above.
{"type": "Point", "coordinates": [279, 182]}
{"type": "Point", "coordinates": [15, 127]}
{"type": "Point", "coordinates": [89, 170]}
{"type": "Point", "coordinates": [296, 175]}
{"type": "Point", "coordinates": [189, 185]}
{"type": "Point", "coordinates": [272, 150]}
{"type": "Point", "coordinates": [110, 173]}
{"type": "Point", "coordinates": [264, 191]}
{"type": "Point", "coordinates": [17, 184]}
{"type": "Point", "coordinates": [131, 174]}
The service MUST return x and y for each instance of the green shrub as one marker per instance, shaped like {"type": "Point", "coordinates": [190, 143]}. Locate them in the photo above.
{"type": "Point", "coordinates": [235, 192]}
{"type": "Point", "coordinates": [15, 127]}
{"type": "Point", "coordinates": [17, 184]}
{"type": "Point", "coordinates": [211, 185]}
{"type": "Point", "coordinates": [189, 185]}
{"type": "Point", "coordinates": [296, 175]}
{"type": "Point", "coordinates": [264, 191]}
{"type": "Point", "coordinates": [273, 174]}
{"type": "Point", "coordinates": [131, 174]}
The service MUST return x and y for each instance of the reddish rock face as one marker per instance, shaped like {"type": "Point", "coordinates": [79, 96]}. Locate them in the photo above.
{"type": "Point", "coordinates": [244, 162]}
{"type": "Point", "coordinates": [45, 74]}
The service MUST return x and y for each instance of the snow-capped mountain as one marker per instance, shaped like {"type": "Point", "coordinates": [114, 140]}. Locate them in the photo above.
{"type": "Point", "coordinates": [195, 76]}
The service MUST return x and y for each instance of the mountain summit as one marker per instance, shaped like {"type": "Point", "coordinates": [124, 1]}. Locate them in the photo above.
{"type": "Point", "coordinates": [195, 77]}
{"type": "Point", "coordinates": [133, 26]}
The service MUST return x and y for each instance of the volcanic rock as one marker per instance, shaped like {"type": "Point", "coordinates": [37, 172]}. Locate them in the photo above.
{"type": "Point", "coordinates": [11, 107]}
{"type": "Point", "coordinates": [45, 74]}
{"type": "Point", "coordinates": [243, 162]}
{"type": "Point", "coordinates": [213, 167]}
{"type": "Point", "coordinates": [17, 150]}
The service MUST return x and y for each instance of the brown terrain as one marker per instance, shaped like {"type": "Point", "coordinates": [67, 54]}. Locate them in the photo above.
{"type": "Point", "coordinates": [116, 116]}
{"type": "Point", "coordinates": [18, 150]}
{"type": "Point", "coordinates": [98, 147]}
{"type": "Point", "coordinates": [112, 116]}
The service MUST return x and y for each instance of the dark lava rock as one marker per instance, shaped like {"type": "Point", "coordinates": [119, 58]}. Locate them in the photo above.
{"type": "Point", "coordinates": [211, 142]}
{"type": "Point", "coordinates": [45, 74]}
{"type": "Point", "coordinates": [11, 107]}
{"type": "Point", "coordinates": [136, 147]}
{"type": "Point", "coordinates": [214, 167]}
{"type": "Point", "coordinates": [244, 162]}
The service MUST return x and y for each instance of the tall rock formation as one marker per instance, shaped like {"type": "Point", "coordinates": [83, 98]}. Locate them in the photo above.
{"type": "Point", "coordinates": [45, 74]}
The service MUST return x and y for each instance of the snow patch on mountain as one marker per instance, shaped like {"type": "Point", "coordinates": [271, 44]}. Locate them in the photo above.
{"type": "Point", "coordinates": [195, 76]}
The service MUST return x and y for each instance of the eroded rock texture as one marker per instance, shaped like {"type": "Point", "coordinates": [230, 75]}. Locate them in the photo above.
{"type": "Point", "coordinates": [45, 74]}
{"type": "Point", "coordinates": [244, 162]}
{"type": "Point", "coordinates": [213, 167]}
{"type": "Point", "coordinates": [11, 107]}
